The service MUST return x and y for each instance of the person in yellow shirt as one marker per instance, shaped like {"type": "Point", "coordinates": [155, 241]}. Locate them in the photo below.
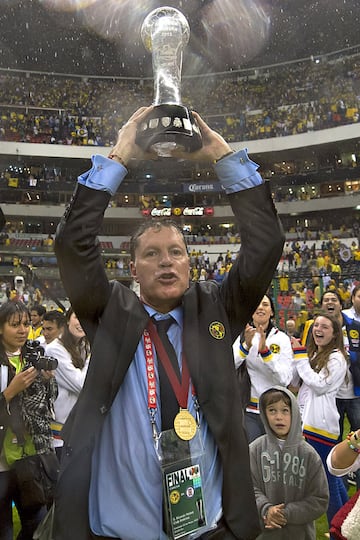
{"type": "Point", "coordinates": [37, 313]}
{"type": "Point", "coordinates": [284, 283]}
{"type": "Point", "coordinates": [297, 259]}
{"type": "Point", "coordinates": [357, 255]}
{"type": "Point", "coordinates": [194, 274]}
{"type": "Point", "coordinates": [344, 293]}
{"type": "Point", "coordinates": [320, 261]}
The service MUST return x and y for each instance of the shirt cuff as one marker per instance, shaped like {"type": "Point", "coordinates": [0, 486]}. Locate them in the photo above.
{"type": "Point", "coordinates": [105, 174]}
{"type": "Point", "coordinates": [300, 353]}
{"type": "Point", "coordinates": [237, 172]}
{"type": "Point", "coordinates": [244, 351]}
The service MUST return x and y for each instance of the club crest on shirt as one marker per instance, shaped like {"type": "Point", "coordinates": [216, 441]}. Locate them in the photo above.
{"type": "Point", "coordinates": [217, 330]}
{"type": "Point", "coordinates": [274, 348]}
{"type": "Point", "coordinates": [354, 334]}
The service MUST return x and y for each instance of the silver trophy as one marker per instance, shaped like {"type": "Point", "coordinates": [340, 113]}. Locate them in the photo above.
{"type": "Point", "coordinates": [165, 32]}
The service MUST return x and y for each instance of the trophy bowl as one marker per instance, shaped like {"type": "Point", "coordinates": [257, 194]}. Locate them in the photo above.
{"type": "Point", "coordinates": [170, 125]}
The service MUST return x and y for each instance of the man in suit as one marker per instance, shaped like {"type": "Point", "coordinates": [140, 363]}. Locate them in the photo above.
{"type": "Point", "coordinates": [115, 479]}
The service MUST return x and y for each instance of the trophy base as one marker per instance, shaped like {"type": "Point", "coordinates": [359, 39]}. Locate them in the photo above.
{"type": "Point", "coordinates": [169, 127]}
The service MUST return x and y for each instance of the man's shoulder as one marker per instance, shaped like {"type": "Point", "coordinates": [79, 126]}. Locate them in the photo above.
{"type": "Point", "coordinates": [209, 286]}
{"type": "Point", "coordinates": [350, 320]}
{"type": "Point", "coordinates": [122, 300]}
{"type": "Point", "coordinates": [54, 345]}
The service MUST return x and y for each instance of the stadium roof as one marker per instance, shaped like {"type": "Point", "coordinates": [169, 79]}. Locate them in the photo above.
{"type": "Point", "coordinates": [102, 37]}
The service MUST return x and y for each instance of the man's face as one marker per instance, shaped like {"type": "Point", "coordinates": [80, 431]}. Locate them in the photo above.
{"type": "Point", "coordinates": [50, 331]}
{"type": "Point", "coordinates": [290, 326]}
{"type": "Point", "coordinates": [331, 304]}
{"type": "Point", "coordinates": [35, 318]}
{"type": "Point", "coordinates": [161, 267]}
{"type": "Point", "coordinates": [356, 301]}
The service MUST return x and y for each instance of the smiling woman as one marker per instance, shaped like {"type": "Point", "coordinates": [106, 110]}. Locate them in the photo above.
{"type": "Point", "coordinates": [72, 350]}
{"type": "Point", "coordinates": [267, 352]}
{"type": "Point", "coordinates": [322, 369]}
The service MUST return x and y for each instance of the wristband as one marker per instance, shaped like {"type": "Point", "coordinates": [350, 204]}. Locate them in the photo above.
{"type": "Point", "coordinates": [353, 448]}
{"type": "Point", "coordinates": [353, 445]}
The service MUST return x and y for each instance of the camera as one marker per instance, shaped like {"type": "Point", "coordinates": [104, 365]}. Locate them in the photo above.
{"type": "Point", "coordinates": [34, 356]}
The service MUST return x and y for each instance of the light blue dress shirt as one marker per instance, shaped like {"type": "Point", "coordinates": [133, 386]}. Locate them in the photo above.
{"type": "Point", "coordinates": [235, 172]}
{"type": "Point", "coordinates": [126, 482]}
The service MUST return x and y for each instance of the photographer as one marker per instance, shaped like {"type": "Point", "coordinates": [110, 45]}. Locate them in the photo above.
{"type": "Point", "coordinates": [26, 398]}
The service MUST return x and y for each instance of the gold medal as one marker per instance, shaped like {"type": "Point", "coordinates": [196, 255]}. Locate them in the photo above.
{"type": "Point", "coordinates": [185, 425]}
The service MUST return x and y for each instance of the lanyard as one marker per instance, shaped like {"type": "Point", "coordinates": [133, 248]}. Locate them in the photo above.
{"type": "Point", "coordinates": [181, 390]}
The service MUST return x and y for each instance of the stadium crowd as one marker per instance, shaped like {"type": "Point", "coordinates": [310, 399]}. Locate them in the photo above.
{"type": "Point", "coordinates": [312, 261]}
{"type": "Point", "coordinates": [273, 102]}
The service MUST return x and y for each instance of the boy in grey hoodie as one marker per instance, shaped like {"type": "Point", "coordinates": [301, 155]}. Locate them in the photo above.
{"type": "Point", "coordinates": [289, 480]}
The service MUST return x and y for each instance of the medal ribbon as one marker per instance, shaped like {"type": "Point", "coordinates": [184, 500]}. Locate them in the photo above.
{"type": "Point", "coordinates": [181, 390]}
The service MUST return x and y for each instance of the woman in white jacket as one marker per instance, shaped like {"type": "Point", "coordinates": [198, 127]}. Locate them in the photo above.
{"type": "Point", "coordinates": [269, 361]}
{"type": "Point", "coordinates": [72, 352]}
{"type": "Point", "coordinates": [322, 369]}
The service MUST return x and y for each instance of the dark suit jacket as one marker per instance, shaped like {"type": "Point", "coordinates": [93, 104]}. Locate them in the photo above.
{"type": "Point", "coordinates": [114, 320]}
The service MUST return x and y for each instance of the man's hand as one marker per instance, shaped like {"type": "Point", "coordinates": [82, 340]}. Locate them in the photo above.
{"type": "Point", "coordinates": [214, 145]}
{"type": "Point", "coordinates": [125, 148]}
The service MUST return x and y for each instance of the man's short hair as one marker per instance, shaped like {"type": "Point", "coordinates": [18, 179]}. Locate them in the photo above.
{"type": "Point", "coordinates": [354, 291]}
{"type": "Point", "coordinates": [334, 292]}
{"type": "Point", "coordinates": [40, 310]}
{"type": "Point", "coordinates": [55, 316]}
{"type": "Point", "coordinates": [150, 224]}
